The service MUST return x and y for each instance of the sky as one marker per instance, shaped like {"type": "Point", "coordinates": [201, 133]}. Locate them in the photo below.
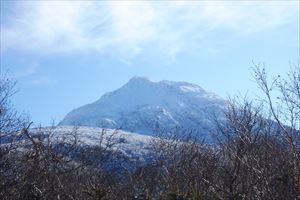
{"type": "Point", "coordinates": [64, 54]}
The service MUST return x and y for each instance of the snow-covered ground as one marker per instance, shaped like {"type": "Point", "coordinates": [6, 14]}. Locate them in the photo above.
{"type": "Point", "coordinates": [131, 144]}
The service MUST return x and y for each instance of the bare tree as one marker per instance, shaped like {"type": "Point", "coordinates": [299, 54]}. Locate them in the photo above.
{"type": "Point", "coordinates": [283, 101]}
{"type": "Point", "coordinates": [11, 122]}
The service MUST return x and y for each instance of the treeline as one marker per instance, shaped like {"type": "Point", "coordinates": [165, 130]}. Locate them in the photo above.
{"type": "Point", "coordinates": [255, 154]}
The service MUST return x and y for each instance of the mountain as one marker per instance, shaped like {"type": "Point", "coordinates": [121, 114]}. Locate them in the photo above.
{"type": "Point", "coordinates": [148, 107]}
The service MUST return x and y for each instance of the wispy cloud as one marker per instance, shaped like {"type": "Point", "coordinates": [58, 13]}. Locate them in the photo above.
{"type": "Point", "coordinates": [31, 75]}
{"type": "Point", "coordinates": [42, 81]}
{"type": "Point", "coordinates": [25, 72]}
{"type": "Point", "coordinates": [126, 28]}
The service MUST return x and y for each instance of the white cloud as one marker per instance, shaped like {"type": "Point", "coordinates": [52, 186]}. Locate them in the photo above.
{"type": "Point", "coordinates": [25, 72]}
{"type": "Point", "coordinates": [42, 81]}
{"type": "Point", "coordinates": [125, 28]}
{"type": "Point", "coordinates": [31, 75]}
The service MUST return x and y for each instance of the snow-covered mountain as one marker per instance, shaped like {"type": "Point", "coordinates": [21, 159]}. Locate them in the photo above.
{"type": "Point", "coordinates": [148, 107]}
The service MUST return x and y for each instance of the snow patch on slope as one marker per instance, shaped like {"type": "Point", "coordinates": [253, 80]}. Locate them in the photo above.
{"type": "Point", "coordinates": [130, 144]}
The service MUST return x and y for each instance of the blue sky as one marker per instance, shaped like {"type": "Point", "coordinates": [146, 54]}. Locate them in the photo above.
{"type": "Point", "coordinates": [65, 54]}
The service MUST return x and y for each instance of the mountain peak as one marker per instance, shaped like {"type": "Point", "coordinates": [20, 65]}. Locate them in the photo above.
{"type": "Point", "coordinates": [180, 85]}
{"type": "Point", "coordinates": [139, 79]}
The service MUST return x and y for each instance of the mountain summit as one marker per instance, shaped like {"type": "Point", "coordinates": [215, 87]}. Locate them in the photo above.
{"type": "Point", "coordinates": [148, 107]}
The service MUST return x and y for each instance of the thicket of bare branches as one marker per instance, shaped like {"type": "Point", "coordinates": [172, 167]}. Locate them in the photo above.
{"type": "Point", "coordinates": [46, 166]}
{"type": "Point", "coordinates": [39, 164]}
{"type": "Point", "coordinates": [255, 155]}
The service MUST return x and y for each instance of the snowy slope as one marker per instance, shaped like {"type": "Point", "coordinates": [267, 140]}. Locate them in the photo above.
{"type": "Point", "coordinates": [130, 144]}
{"type": "Point", "coordinates": [148, 107]}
